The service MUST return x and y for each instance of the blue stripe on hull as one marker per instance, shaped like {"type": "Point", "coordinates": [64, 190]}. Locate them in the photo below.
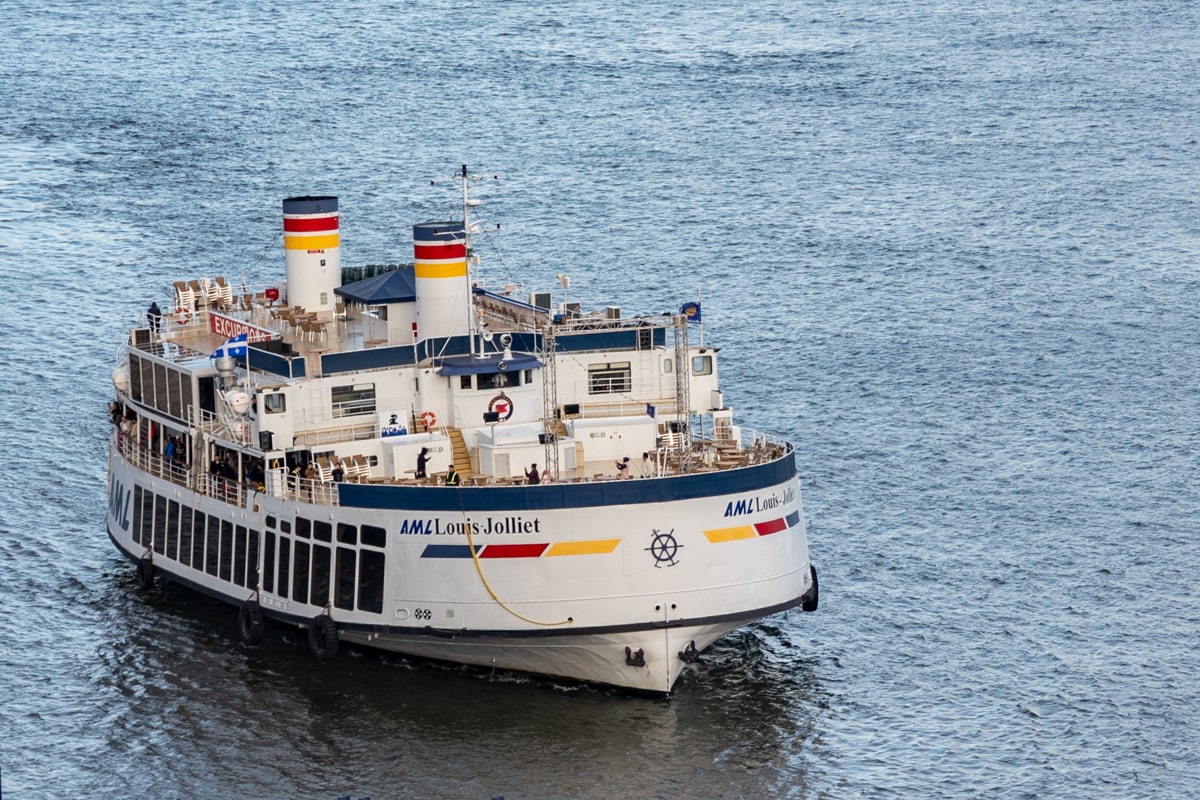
{"type": "Point", "coordinates": [568, 495]}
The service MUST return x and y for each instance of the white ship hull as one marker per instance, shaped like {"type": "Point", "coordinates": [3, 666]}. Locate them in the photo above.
{"type": "Point", "coordinates": [617, 593]}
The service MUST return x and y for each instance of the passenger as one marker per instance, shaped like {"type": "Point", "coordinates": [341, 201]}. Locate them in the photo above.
{"type": "Point", "coordinates": [339, 474]}
{"type": "Point", "coordinates": [623, 468]}
{"type": "Point", "coordinates": [452, 476]}
{"type": "Point", "coordinates": [647, 466]}
{"type": "Point", "coordinates": [311, 476]}
{"type": "Point", "coordinates": [532, 476]}
{"type": "Point", "coordinates": [422, 461]}
{"type": "Point", "coordinates": [154, 316]}
{"type": "Point", "coordinates": [170, 450]}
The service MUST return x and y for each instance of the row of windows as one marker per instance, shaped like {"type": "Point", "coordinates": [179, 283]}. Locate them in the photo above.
{"type": "Point", "coordinates": [300, 567]}
{"type": "Point", "coordinates": [617, 377]}
{"type": "Point", "coordinates": [158, 386]}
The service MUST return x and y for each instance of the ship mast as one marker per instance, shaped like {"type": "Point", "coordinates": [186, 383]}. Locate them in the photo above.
{"type": "Point", "coordinates": [472, 322]}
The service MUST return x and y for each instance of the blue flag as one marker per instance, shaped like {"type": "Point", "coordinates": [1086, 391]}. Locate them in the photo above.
{"type": "Point", "coordinates": [235, 348]}
{"type": "Point", "coordinates": [650, 410]}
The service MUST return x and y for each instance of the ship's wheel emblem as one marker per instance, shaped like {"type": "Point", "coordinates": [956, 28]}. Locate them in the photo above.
{"type": "Point", "coordinates": [664, 548]}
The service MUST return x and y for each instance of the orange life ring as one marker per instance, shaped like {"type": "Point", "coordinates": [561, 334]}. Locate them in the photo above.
{"type": "Point", "coordinates": [429, 419]}
{"type": "Point", "coordinates": [183, 315]}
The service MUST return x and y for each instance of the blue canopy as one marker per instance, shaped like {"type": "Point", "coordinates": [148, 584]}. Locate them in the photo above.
{"type": "Point", "coordinates": [398, 286]}
{"type": "Point", "coordinates": [474, 365]}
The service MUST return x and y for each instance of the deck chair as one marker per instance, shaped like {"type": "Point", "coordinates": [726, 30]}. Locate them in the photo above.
{"type": "Point", "coordinates": [184, 296]}
{"type": "Point", "coordinates": [224, 292]}
{"type": "Point", "coordinates": [199, 294]}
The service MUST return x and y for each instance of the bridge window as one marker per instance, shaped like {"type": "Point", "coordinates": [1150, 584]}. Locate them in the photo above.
{"type": "Point", "coordinates": [702, 365]}
{"type": "Point", "coordinates": [275, 403]}
{"type": "Point", "coordinates": [613, 378]}
{"type": "Point", "coordinates": [349, 401]}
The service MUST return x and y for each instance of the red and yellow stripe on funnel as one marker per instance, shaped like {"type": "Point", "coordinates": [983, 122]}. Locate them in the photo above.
{"type": "Point", "coordinates": [439, 250]}
{"type": "Point", "coordinates": [316, 230]}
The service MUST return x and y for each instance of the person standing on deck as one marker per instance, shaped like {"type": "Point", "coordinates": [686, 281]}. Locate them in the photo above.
{"type": "Point", "coordinates": [422, 461]}
{"type": "Point", "coordinates": [452, 476]}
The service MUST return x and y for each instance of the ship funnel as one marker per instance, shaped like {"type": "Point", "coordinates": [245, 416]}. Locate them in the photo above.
{"type": "Point", "coordinates": [442, 286]}
{"type": "Point", "coordinates": [314, 253]}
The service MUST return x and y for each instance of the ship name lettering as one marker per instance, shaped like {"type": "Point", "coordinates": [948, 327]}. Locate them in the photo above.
{"type": "Point", "coordinates": [421, 527]}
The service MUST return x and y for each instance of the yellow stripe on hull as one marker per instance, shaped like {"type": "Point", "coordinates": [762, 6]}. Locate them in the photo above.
{"type": "Point", "coordinates": [586, 548]}
{"type": "Point", "coordinates": [730, 534]}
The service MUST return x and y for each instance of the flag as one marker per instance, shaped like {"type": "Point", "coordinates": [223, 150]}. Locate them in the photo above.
{"type": "Point", "coordinates": [691, 311]}
{"type": "Point", "coordinates": [650, 410]}
{"type": "Point", "coordinates": [235, 347]}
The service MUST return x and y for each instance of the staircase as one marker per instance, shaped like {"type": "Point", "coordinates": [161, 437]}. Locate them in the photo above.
{"type": "Point", "coordinates": [462, 458]}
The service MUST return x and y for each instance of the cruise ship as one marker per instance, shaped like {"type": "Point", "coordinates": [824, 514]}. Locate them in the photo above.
{"type": "Point", "coordinates": [423, 464]}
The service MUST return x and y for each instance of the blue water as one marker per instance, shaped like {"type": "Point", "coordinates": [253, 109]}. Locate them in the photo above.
{"type": "Point", "coordinates": [950, 249]}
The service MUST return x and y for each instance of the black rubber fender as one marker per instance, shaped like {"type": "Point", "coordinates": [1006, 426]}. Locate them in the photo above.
{"type": "Point", "coordinates": [323, 638]}
{"type": "Point", "coordinates": [250, 622]}
{"type": "Point", "coordinates": [813, 596]}
{"type": "Point", "coordinates": [145, 573]}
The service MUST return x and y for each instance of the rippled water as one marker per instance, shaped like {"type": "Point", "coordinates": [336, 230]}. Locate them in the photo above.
{"type": "Point", "coordinates": [952, 250]}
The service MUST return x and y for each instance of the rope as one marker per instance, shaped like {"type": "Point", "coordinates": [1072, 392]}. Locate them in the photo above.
{"type": "Point", "coordinates": [486, 585]}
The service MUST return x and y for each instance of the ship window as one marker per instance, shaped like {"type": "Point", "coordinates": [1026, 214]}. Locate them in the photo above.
{"type": "Point", "coordinates": [160, 525]}
{"type": "Point", "coordinates": [347, 534]}
{"type": "Point", "coordinates": [160, 388]}
{"type": "Point", "coordinates": [300, 572]}
{"type": "Point", "coordinates": [252, 560]}
{"type": "Point", "coordinates": [344, 596]}
{"type": "Point", "coordinates": [185, 394]}
{"type": "Point", "coordinates": [464, 381]}
{"type": "Point", "coordinates": [702, 365]}
{"type": "Point", "coordinates": [320, 575]}
{"type": "Point", "coordinates": [668, 366]}
{"type": "Point", "coordinates": [609, 378]}
{"type": "Point", "coordinates": [495, 380]}
{"type": "Point", "coordinates": [285, 526]}
{"type": "Point", "coordinates": [268, 578]}
{"type": "Point", "coordinates": [303, 528]}
{"type": "Point", "coordinates": [239, 556]}
{"type": "Point", "coordinates": [527, 377]}
{"type": "Point", "coordinates": [212, 547]}
{"type": "Point", "coordinates": [135, 379]}
{"type": "Point", "coordinates": [198, 541]}
{"type": "Point", "coordinates": [285, 555]}
{"type": "Point", "coordinates": [370, 580]}
{"type": "Point", "coordinates": [226, 572]}
{"type": "Point", "coordinates": [271, 521]}
{"type": "Point", "coordinates": [173, 530]}
{"type": "Point", "coordinates": [275, 403]}
{"type": "Point", "coordinates": [185, 536]}
{"type": "Point", "coordinates": [174, 395]}
{"type": "Point", "coordinates": [373, 536]}
{"type": "Point", "coordinates": [322, 531]}
{"type": "Point", "coordinates": [143, 505]}
{"type": "Point", "coordinates": [349, 401]}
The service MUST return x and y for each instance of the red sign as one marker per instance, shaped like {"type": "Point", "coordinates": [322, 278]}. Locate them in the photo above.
{"type": "Point", "coordinates": [228, 327]}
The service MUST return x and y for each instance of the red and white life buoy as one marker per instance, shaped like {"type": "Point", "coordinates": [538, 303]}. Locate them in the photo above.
{"type": "Point", "coordinates": [183, 315]}
{"type": "Point", "coordinates": [429, 419]}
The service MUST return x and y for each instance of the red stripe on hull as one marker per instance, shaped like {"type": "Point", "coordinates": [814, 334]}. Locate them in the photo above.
{"type": "Point", "coordinates": [774, 526]}
{"type": "Point", "coordinates": [513, 550]}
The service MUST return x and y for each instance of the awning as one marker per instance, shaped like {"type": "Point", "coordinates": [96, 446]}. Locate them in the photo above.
{"type": "Point", "coordinates": [475, 365]}
{"type": "Point", "coordinates": [398, 286]}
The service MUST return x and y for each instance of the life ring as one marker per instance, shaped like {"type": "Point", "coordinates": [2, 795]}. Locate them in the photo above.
{"type": "Point", "coordinates": [429, 419]}
{"type": "Point", "coordinates": [323, 638]}
{"type": "Point", "coordinates": [250, 622]}
{"type": "Point", "coordinates": [145, 573]}
{"type": "Point", "coordinates": [183, 315]}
